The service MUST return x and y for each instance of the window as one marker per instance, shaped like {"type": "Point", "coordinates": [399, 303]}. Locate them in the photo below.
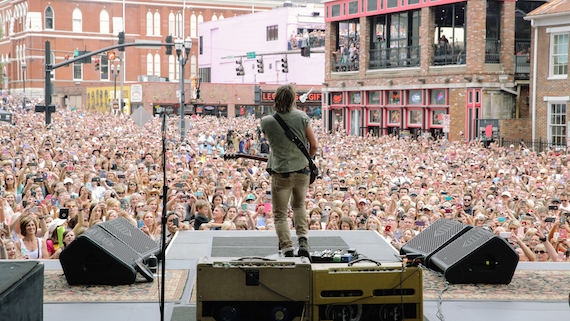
{"type": "Point", "coordinates": [355, 98]}
{"type": "Point", "coordinates": [437, 97]}
{"type": "Point", "coordinates": [149, 64]}
{"type": "Point", "coordinates": [193, 66]}
{"type": "Point", "coordinates": [149, 24]}
{"type": "Point", "coordinates": [77, 18]}
{"type": "Point", "coordinates": [493, 32]}
{"type": "Point", "coordinates": [157, 64]}
{"type": "Point", "coordinates": [374, 116]}
{"type": "Point", "coordinates": [374, 97]}
{"type": "Point", "coordinates": [372, 5]}
{"type": "Point", "coordinates": [193, 32]}
{"type": "Point", "coordinates": [415, 117]}
{"type": "Point", "coordinates": [559, 56]}
{"type": "Point", "coordinates": [179, 23]}
{"type": "Point", "coordinates": [104, 68]}
{"type": "Point", "coordinates": [214, 17]}
{"type": "Point", "coordinates": [394, 117]}
{"type": "Point", "coordinates": [272, 33]}
{"type": "Point", "coordinates": [449, 35]}
{"type": "Point", "coordinates": [201, 45]}
{"type": "Point", "coordinates": [393, 97]}
{"type": "Point", "coordinates": [77, 71]}
{"type": "Point", "coordinates": [104, 21]}
{"type": "Point", "coordinates": [48, 18]}
{"type": "Point", "coordinates": [557, 123]}
{"type": "Point", "coordinates": [172, 25]}
{"type": "Point", "coordinates": [335, 10]}
{"type": "Point", "coordinates": [396, 43]}
{"type": "Point", "coordinates": [157, 24]}
{"type": "Point", "coordinates": [415, 97]}
{"type": "Point", "coordinates": [171, 66]}
{"type": "Point", "coordinates": [353, 7]}
{"type": "Point", "coordinates": [437, 117]}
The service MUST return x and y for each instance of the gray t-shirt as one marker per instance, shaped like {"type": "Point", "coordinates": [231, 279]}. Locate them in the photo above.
{"type": "Point", "coordinates": [285, 156]}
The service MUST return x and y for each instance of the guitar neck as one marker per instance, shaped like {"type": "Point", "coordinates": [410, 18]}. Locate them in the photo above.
{"type": "Point", "coordinates": [257, 158]}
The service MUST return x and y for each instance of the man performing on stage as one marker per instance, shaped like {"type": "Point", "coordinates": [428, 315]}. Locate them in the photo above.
{"type": "Point", "coordinates": [289, 168]}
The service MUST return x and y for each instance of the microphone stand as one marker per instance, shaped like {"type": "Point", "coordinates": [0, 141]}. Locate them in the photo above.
{"type": "Point", "coordinates": [163, 220]}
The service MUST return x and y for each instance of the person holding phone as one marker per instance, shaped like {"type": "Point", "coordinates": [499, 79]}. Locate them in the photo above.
{"type": "Point", "coordinates": [288, 167]}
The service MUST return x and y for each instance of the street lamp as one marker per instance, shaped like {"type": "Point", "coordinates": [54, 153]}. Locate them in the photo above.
{"type": "Point", "coordinates": [115, 75]}
{"type": "Point", "coordinates": [178, 45]}
{"type": "Point", "coordinates": [24, 81]}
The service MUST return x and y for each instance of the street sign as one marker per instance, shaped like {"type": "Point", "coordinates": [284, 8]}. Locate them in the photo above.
{"type": "Point", "coordinates": [115, 103]}
{"type": "Point", "coordinates": [111, 55]}
{"type": "Point", "coordinates": [251, 55]}
{"type": "Point", "coordinates": [140, 116]}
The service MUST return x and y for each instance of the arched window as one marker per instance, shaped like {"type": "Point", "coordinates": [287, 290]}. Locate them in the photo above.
{"type": "Point", "coordinates": [48, 18]}
{"type": "Point", "coordinates": [77, 17]}
{"type": "Point", "coordinates": [171, 24]}
{"type": "Point", "coordinates": [179, 31]}
{"type": "Point", "coordinates": [193, 66]}
{"type": "Point", "coordinates": [171, 66]}
{"type": "Point", "coordinates": [104, 21]}
{"type": "Point", "coordinates": [149, 24]}
{"type": "Point", "coordinates": [193, 33]}
{"type": "Point", "coordinates": [149, 64]}
{"type": "Point", "coordinates": [221, 16]}
{"type": "Point", "coordinates": [157, 64]}
{"type": "Point", "coordinates": [157, 24]}
{"type": "Point", "coordinates": [214, 17]}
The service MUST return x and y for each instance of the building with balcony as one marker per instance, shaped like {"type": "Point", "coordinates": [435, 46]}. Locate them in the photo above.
{"type": "Point", "coordinates": [550, 86]}
{"type": "Point", "coordinates": [412, 67]}
{"type": "Point", "coordinates": [150, 76]}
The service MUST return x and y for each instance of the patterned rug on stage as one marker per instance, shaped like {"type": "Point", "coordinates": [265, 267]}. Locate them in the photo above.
{"type": "Point", "coordinates": [525, 285]}
{"type": "Point", "coordinates": [56, 289]}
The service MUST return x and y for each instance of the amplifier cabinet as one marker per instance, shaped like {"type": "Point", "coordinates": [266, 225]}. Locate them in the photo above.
{"type": "Point", "coordinates": [232, 289]}
{"type": "Point", "coordinates": [367, 291]}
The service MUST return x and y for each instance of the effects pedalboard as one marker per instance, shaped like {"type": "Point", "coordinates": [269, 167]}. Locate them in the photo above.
{"type": "Point", "coordinates": [334, 256]}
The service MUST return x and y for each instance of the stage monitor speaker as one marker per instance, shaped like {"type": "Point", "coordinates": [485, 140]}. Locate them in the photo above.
{"type": "Point", "coordinates": [478, 256]}
{"type": "Point", "coordinates": [108, 253]}
{"type": "Point", "coordinates": [435, 237]}
{"type": "Point", "coordinates": [367, 292]}
{"type": "Point", "coordinates": [253, 288]}
{"type": "Point", "coordinates": [21, 290]}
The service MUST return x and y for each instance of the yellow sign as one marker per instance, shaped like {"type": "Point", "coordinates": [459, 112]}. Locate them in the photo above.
{"type": "Point", "coordinates": [100, 98]}
{"type": "Point", "coordinates": [111, 55]}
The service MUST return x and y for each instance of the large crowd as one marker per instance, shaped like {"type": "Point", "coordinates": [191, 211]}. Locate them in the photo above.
{"type": "Point", "coordinates": [88, 167]}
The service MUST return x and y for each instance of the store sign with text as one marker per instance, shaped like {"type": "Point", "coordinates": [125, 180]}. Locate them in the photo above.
{"type": "Point", "coordinates": [269, 96]}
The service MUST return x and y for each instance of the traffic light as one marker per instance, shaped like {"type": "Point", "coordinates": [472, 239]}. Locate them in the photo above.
{"type": "Point", "coordinates": [260, 65]}
{"type": "Point", "coordinates": [97, 63]}
{"type": "Point", "coordinates": [66, 57]}
{"type": "Point", "coordinates": [239, 69]}
{"type": "Point", "coordinates": [306, 51]}
{"type": "Point", "coordinates": [169, 48]}
{"type": "Point", "coordinates": [121, 40]}
{"type": "Point", "coordinates": [284, 65]}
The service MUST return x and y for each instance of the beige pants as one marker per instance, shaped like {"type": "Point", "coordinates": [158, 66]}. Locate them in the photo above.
{"type": "Point", "coordinates": [293, 187]}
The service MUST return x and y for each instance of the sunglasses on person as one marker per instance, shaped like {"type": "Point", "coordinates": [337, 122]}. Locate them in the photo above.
{"type": "Point", "coordinates": [540, 252]}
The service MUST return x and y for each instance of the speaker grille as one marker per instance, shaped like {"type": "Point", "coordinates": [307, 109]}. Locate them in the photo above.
{"type": "Point", "coordinates": [434, 237]}
{"type": "Point", "coordinates": [463, 246]}
{"type": "Point", "coordinates": [129, 234]}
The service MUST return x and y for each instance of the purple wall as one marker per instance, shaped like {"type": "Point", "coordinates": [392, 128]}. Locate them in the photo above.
{"type": "Point", "coordinates": [232, 37]}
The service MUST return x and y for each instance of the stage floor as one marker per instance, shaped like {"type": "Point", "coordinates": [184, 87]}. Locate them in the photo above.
{"type": "Point", "coordinates": [525, 298]}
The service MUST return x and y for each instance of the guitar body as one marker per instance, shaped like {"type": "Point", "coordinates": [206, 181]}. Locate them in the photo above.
{"type": "Point", "coordinates": [314, 169]}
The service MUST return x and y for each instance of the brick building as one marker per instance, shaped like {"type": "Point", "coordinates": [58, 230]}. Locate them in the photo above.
{"type": "Point", "coordinates": [550, 86]}
{"type": "Point", "coordinates": [148, 73]}
{"type": "Point", "coordinates": [399, 67]}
